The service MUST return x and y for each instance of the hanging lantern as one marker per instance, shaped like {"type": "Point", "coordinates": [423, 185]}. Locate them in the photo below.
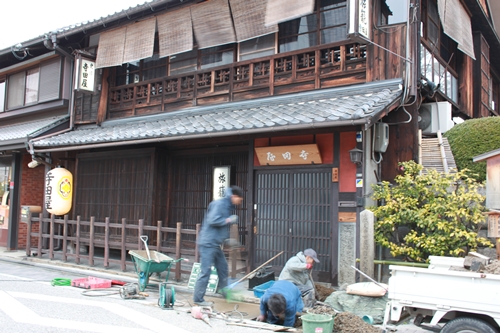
{"type": "Point", "coordinates": [58, 191]}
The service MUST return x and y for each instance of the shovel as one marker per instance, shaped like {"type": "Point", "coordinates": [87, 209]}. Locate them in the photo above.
{"type": "Point", "coordinates": [144, 239]}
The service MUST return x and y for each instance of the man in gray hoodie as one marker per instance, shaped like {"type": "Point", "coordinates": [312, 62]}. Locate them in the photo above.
{"type": "Point", "coordinates": [298, 271]}
{"type": "Point", "coordinates": [214, 232]}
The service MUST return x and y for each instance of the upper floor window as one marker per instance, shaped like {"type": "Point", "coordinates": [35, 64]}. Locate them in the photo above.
{"type": "Point", "coordinates": [183, 62]}
{"type": "Point", "coordinates": [439, 73]}
{"type": "Point", "coordinates": [433, 35]}
{"type": "Point", "coordinates": [37, 84]}
{"type": "Point", "coordinates": [328, 24]}
{"type": "Point", "coordinates": [257, 47]}
{"type": "Point", "coordinates": [2, 96]}
{"type": "Point", "coordinates": [216, 56]}
{"type": "Point", "coordinates": [156, 67]}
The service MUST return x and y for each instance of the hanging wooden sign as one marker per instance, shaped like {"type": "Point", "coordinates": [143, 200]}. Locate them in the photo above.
{"type": "Point", "coordinates": [85, 75]}
{"type": "Point", "coordinates": [289, 155]}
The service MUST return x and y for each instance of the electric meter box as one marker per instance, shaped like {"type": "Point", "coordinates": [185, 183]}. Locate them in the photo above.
{"type": "Point", "coordinates": [27, 210]}
{"type": "Point", "coordinates": [381, 137]}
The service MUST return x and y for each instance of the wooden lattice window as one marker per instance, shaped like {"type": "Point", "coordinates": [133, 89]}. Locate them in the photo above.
{"type": "Point", "coordinates": [433, 35]}
{"type": "Point", "coordinates": [115, 185]}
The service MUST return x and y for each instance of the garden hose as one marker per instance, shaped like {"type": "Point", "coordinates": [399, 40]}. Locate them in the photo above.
{"type": "Point", "coordinates": [61, 282]}
{"type": "Point", "coordinates": [167, 296]}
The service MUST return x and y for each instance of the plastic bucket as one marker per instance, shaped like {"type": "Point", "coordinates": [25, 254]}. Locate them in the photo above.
{"type": "Point", "coordinates": [317, 323]}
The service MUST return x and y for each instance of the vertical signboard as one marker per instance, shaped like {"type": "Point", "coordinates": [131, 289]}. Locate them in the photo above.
{"type": "Point", "coordinates": [85, 75]}
{"type": "Point", "coordinates": [359, 19]}
{"type": "Point", "coordinates": [222, 178]}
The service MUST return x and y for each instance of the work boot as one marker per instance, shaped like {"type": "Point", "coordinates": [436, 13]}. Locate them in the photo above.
{"type": "Point", "coordinates": [204, 303]}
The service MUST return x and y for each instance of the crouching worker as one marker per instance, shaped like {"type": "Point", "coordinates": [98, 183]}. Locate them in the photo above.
{"type": "Point", "coordinates": [298, 271]}
{"type": "Point", "coordinates": [280, 304]}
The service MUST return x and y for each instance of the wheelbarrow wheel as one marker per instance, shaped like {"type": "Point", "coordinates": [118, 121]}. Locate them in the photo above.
{"type": "Point", "coordinates": [143, 280]}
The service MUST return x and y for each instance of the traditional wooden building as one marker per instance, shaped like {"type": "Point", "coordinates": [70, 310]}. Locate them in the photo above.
{"type": "Point", "coordinates": [303, 104]}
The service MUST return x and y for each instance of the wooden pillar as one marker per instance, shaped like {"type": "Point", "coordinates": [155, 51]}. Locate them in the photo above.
{"type": "Point", "coordinates": [233, 251]}
{"type": "Point", "coordinates": [78, 220]}
{"type": "Point", "coordinates": [158, 237]}
{"type": "Point", "coordinates": [178, 251]}
{"type": "Point", "coordinates": [106, 242]}
{"type": "Point", "coordinates": [124, 248]}
{"type": "Point", "coordinates": [91, 241]}
{"type": "Point", "coordinates": [141, 228]}
{"type": "Point", "coordinates": [498, 248]}
{"type": "Point", "coordinates": [51, 239]}
{"type": "Point", "coordinates": [40, 237]}
{"type": "Point", "coordinates": [196, 248]}
{"type": "Point", "coordinates": [28, 236]}
{"type": "Point", "coordinates": [65, 239]}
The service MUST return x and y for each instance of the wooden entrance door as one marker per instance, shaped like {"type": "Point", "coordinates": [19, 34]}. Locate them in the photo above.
{"type": "Point", "coordinates": [292, 212]}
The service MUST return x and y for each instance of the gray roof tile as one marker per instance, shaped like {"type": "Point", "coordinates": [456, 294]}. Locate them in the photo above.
{"type": "Point", "coordinates": [326, 108]}
{"type": "Point", "coordinates": [23, 129]}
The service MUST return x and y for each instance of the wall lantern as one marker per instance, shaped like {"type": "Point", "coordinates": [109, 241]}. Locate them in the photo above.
{"type": "Point", "coordinates": [356, 155]}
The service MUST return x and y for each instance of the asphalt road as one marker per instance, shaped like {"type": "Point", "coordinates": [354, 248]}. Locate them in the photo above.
{"type": "Point", "coordinates": [30, 303]}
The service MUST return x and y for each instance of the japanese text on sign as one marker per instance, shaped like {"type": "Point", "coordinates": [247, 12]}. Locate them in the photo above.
{"type": "Point", "coordinates": [280, 155]}
{"type": "Point", "coordinates": [221, 181]}
{"type": "Point", "coordinates": [86, 75]}
{"type": "Point", "coordinates": [363, 18]}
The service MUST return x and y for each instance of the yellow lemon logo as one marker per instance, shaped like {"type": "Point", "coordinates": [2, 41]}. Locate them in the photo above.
{"type": "Point", "coordinates": [64, 188]}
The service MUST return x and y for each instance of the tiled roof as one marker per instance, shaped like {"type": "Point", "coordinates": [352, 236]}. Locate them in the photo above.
{"type": "Point", "coordinates": [149, 5]}
{"type": "Point", "coordinates": [344, 106]}
{"type": "Point", "coordinates": [22, 130]}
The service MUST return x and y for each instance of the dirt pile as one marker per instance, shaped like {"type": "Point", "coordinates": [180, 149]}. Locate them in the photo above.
{"type": "Point", "coordinates": [323, 292]}
{"type": "Point", "coordinates": [322, 309]}
{"type": "Point", "coordinates": [347, 322]}
{"type": "Point", "coordinates": [344, 322]}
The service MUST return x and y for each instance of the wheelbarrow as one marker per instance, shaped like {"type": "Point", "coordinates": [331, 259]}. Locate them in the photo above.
{"type": "Point", "coordinates": [148, 262]}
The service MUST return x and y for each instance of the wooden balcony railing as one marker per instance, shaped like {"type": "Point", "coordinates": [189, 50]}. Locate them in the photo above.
{"type": "Point", "coordinates": [315, 68]}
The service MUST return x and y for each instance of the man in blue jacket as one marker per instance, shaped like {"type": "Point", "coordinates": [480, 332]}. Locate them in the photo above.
{"type": "Point", "coordinates": [280, 304]}
{"type": "Point", "coordinates": [214, 231]}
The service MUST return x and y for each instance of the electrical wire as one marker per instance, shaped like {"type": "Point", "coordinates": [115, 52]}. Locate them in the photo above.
{"type": "Point", "coordinates": [235, 315]}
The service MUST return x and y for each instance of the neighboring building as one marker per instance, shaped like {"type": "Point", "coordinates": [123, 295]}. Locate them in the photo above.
{"type": "Point", "coordinates": [274, 95]}
{"type": "Point", "coordinates": [35, 94]}
{"type": "Point", "coordinates": [492, 159]}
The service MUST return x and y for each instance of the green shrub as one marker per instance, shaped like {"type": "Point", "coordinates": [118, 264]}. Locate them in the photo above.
{"type": "Point", "coordinates": [471, 138]}
{"type": "Point", "coordinates": [440, 212]}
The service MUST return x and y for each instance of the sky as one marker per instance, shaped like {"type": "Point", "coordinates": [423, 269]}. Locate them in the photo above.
{"type": "Point", "coordinates": [399, 10]}
{"type": "Point", "coordinates": [23, 20]}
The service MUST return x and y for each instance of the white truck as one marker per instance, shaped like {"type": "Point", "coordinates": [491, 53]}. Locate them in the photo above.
{"type": "Point", "coordinates": [455, 301]}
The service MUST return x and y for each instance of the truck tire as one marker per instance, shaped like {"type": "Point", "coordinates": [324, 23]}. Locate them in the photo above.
{"type": "Point", "coordinates": [467, 325]}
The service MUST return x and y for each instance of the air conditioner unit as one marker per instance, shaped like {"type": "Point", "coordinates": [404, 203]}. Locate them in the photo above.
{"type": "Point", "coordinates": [434, 117]}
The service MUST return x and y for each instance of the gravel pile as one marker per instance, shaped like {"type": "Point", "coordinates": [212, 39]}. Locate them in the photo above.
{"type": "Point", "coordinates": [493, 268]}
